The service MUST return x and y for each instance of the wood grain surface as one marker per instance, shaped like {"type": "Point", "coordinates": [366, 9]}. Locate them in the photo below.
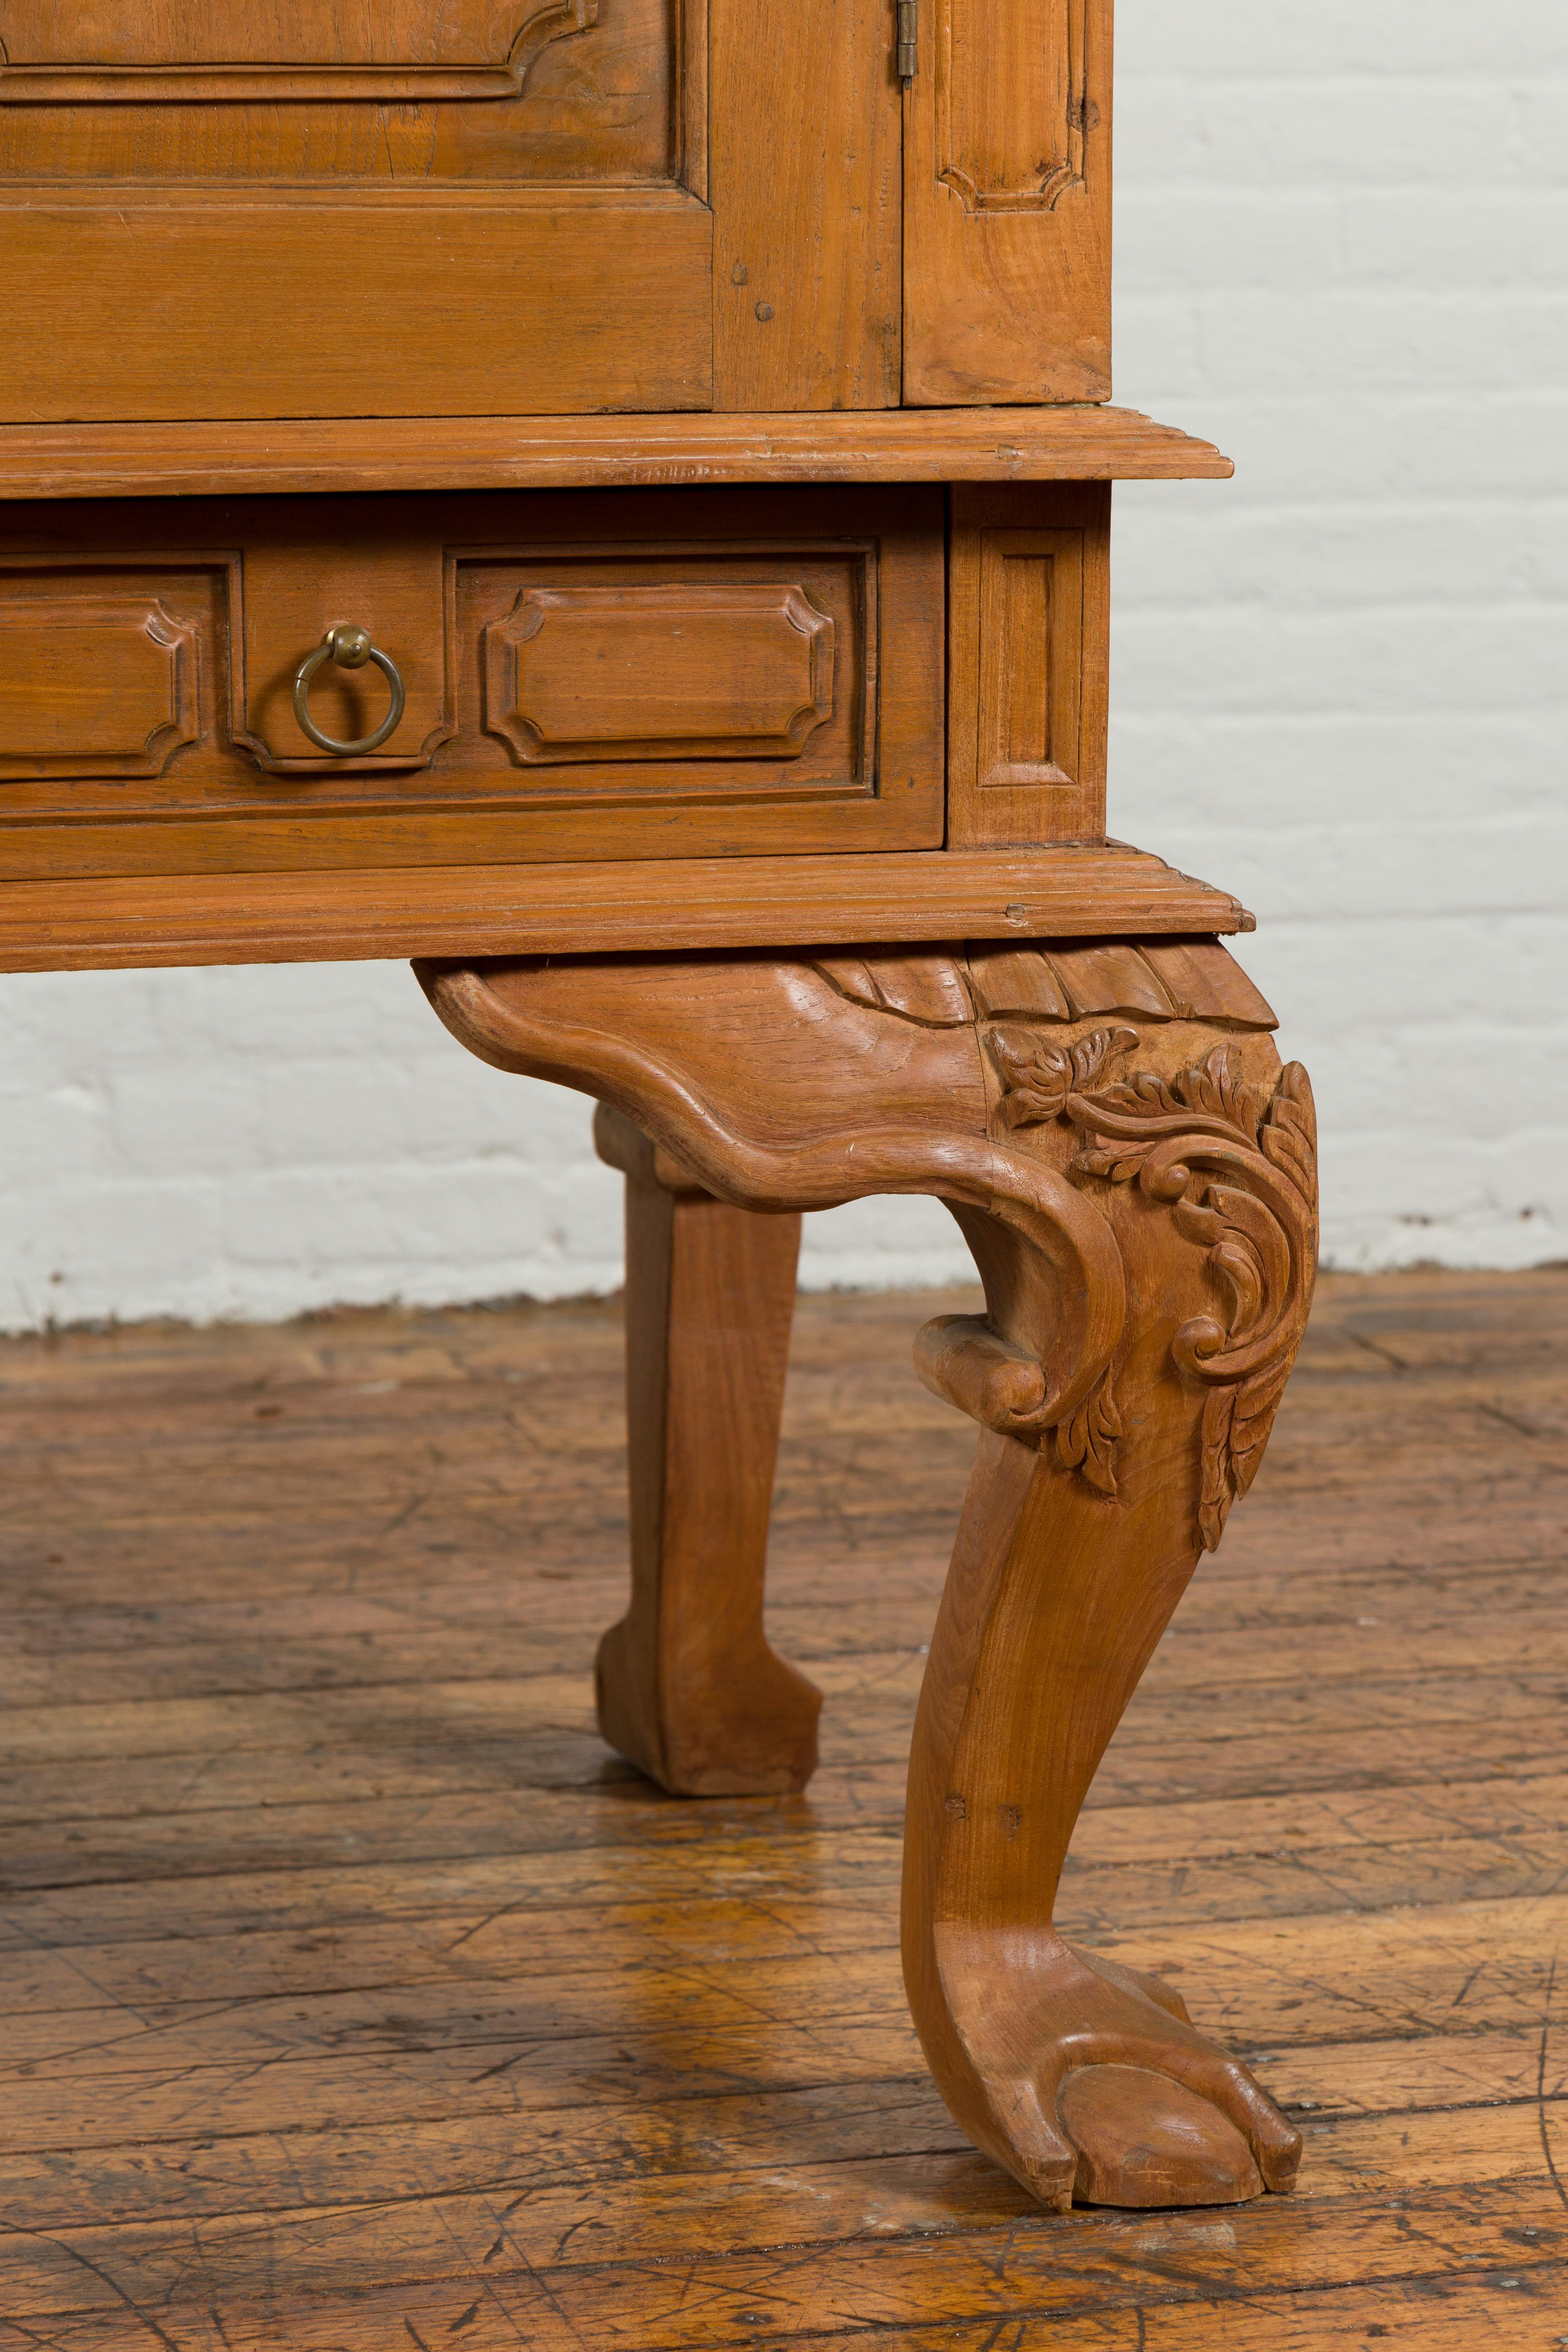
{"type": "Point", "coordinates": [355, 1997]}
{"type": "Point", "coordinates": [511, 452]}
{"type": "Point", "coordinates": [588, 673]}
{"type": "Point", "coordinates": [395, 911]}
{"type": "Point", "coordinates": [245, 309]}
{"type": "Point", "coordinates": [805, 170]}
{"type": "Point", "coordinates": [1007, 203]}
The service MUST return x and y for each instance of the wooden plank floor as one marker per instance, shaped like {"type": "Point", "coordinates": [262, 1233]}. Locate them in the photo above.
{"type": "Point", "coordinates": [355, 1999]}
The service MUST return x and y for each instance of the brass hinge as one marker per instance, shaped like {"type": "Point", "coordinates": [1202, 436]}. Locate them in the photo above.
{"type": "Point", "coordinates": [909, 38]}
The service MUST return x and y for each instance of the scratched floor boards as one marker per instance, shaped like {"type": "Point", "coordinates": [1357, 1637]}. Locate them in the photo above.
{"type": "Point", "coordinates": [355, 1999]}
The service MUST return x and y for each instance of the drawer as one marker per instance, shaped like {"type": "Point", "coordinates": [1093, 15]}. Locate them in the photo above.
{"type": "Point", "coordinates": [584, 674]}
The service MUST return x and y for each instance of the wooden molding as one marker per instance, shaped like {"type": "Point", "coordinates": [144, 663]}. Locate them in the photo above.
{"type": "Point", "coordinates": [1080, 443]}
{"type": "Point", "coordinates": [1065, 891]}
{"type": "Point", "coordinates": [149, 80]}
{"type": "Point", "coordinates": [654, 670]}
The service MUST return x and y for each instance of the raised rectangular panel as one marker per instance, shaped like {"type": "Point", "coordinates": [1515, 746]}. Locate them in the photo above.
{"type": "Point", "coordinates": [96, 679]}
{"type": "Point", "coordinates": [1027, 663]}
{"type": "Point", "coordinates": [1031, 653]}
{"type": "Point", "coordinates": [692, 670]}
{"type": "Point", "coordinates": [334, 93]}
{"type": "Point", "coordinates": [1011, 101]}
{"type": "Point", "coordinates": [659, 671]}
{"type": "Point", "coordinates": [389, 51]}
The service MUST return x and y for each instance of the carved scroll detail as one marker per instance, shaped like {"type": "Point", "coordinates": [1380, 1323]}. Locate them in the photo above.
{"type": "Point", "coordinates": [1237, 1168]}
{"type": "Point", "coordinates": [1087, 1442]}
{"type": "Point", "coordinates": [783, 1083]}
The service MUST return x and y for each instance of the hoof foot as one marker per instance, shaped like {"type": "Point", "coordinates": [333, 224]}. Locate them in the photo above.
{"type": "Point", "coordinates": [1088, 2080]}
{"type": "Point", "coordinates": [1145, 2140]}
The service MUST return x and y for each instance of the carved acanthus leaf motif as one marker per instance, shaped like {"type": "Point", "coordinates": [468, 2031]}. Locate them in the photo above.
{"type": "Point", "coordinates": [1289, 1137]}
{"type": "Point", "coordinates": [1037, 1077]}
{"type": "Point", "coordinates": [1087, 1442]}
{"type": "Point", "coordinates": [1236, 1422]}
{"type": "Point", "coordinates": [1237, 1168]}
{"type": "Point", "coordinates": [1139, 1112]}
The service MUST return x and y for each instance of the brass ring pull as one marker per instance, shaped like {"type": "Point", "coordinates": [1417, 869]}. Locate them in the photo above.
{"type": "Point", "coordinates": [350, 648]}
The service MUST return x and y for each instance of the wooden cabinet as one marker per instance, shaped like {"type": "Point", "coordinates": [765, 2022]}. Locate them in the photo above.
{"type": "Point", "coordinates": [610, 498]}
{"type": "Point", "coordinates": [322, 208]}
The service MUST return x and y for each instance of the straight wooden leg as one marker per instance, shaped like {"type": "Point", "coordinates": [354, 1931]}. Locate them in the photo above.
{"type": "Point", "coordinates": [1135, 1174]}
{"type": "Point", "coordinates": [688, 1686]}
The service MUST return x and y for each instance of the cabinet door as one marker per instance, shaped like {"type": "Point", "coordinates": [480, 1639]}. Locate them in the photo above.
{"type": "Point", "coordinates": [298, 208]}
{"type": "Point", "coordinates": [1007, 201]}
{"type": "Point", "coordinates": [224, 208]}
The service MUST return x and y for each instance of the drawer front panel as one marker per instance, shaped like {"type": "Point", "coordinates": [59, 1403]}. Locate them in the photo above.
{"type": "Point", "coordinates": [682, 672]}
{"type": "Point", "coordinates": [586, 675]}
{"type": "Point", "coordinates": [104, 672]}
{"type": "Point", "coordinates": [650, 669]}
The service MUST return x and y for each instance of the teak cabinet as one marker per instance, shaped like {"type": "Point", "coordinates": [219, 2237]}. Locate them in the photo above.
{"type": "Point", "coordinates": [611, 500]}
{"type": "Point", "coordinates": [331, 209]}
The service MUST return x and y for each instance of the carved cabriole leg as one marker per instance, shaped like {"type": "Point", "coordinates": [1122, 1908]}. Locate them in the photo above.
{"type": "Point", "coordinates": [1135, 1175]}
{"type": "Point", "coordinates": [688, 1686]}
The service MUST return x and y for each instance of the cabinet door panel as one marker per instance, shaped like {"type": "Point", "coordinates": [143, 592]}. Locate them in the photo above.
{"type": "Point", "coordinates": [307, 207]}
{"type": "Point", "coordinates": [330, 90]}
{"type": "Point", "coordinates": [175, 311]}
{"type": "Point", "coordinates": [1007, 203]}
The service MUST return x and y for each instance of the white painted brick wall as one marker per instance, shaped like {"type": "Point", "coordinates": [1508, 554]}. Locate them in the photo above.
{"type": "Point", "coordinates": [1339, 690]}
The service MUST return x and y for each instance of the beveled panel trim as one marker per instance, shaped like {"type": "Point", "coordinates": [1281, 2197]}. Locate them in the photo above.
{"type": "Point", "coordinates": [1011, 85]}
{"type": "Point", "coordinates": [94, 684]}
{"type": "Point", "coordinates": [658, 670]}
{"type": "Point", "coordinates": [1031, 657]}
{"type": "Point", "coordinates": [23, 82]}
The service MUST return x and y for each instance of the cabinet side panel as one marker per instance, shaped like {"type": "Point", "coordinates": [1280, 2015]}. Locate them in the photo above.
{"type": "Point", "coordinates": [1007, 203]}
{"type": "Point", "coordinates": [805, 164]}
{"type": "Point", "coordinates": [1028, 636]}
